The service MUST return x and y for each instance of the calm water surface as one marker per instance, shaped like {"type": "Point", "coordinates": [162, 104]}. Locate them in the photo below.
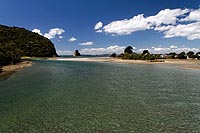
{"type": "Point", "coordinates": [56, 96]}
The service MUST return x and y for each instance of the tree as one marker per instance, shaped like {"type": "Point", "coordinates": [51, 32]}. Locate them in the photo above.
{"type": "Point", "coordinates": [121, 55]}
{"type": "Point", "coordinates": [10, 54]}
{"type": "Point", "coordinates": [172, 55]}
{"type": "Point", "coordinates": [182, 55]}
{"type": "Point", "coordinates": [197, 55]}
{"type": "Point", "coordinates": [128, 50]}
{"type": "Point", "coordinates": [190, 54]}
{"type": "Point", "coordinates": [145, 52]}
{"type": "Point", "coordinates": [113, 55]}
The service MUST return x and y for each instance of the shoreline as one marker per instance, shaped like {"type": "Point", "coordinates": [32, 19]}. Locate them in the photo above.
{"type": "Point", "coordinates": [9, 69]}
{"type": "Point", "coordinates": [179, 63]}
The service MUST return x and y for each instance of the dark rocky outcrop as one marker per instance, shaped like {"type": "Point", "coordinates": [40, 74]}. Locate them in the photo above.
{"type": "Point", "coordinates": [76, 53]}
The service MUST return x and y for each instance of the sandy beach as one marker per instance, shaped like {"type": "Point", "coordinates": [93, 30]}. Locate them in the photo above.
{"type": "Point", "coordinates": [186, 64]}
{"type": "Point", "coordinates": [11, 68]}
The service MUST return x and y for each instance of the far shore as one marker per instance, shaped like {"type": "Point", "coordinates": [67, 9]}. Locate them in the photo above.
{"type": "Point", "coordinates": [12, 68]}
{"type": "Point", "coordinates": [180, 63]}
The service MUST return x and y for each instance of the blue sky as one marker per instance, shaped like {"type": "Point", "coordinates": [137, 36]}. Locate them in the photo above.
{"type": "Point", "coordinates": [157, 25]}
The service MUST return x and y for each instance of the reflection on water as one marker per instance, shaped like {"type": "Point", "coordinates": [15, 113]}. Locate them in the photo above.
{"type": "Point", "coordinates": [59, 96]}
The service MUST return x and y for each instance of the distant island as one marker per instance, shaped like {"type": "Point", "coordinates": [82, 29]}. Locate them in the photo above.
{"type": "Point", "coordinates": [18, 42]}
{"type": "Point", "coordinates": [76, 53]}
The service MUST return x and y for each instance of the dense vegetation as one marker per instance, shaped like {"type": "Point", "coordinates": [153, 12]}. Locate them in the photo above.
{"type": "Point", "coordinates": [145, 55]}
{"type": "Point", "coordinates": [17, 42]}
{"type": "Point", "coordinates": [130, 55]}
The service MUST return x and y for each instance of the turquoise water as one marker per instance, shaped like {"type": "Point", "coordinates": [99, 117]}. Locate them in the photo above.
{"type": "Point", "coordinates": [61, 96]}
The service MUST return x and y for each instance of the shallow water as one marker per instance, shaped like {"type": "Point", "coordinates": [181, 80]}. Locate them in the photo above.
{"type": "Point", "coordinates": [61, 96]}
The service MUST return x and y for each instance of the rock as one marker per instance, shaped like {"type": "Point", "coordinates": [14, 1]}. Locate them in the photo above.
{"type": "Point", "coordinates": [76, 53]}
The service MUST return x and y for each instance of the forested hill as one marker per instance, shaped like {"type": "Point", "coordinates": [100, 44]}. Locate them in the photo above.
{"type": "Point", "coordinates": [16, 42]}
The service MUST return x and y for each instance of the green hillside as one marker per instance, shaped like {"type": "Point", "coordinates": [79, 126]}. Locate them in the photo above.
{"type": "Point", "coordinates": [17, 42]}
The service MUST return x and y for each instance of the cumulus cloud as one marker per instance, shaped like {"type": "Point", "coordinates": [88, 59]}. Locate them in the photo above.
{"type": "Point", "coordinates": [60, 37]}
{"type": "Point", "coordinates": [127, 26]}
{"type": "Point", "coordinates": [139, 22]}
{"type": "Point", "coordinates": [99, 31]}
{"type": "Point", "coordinates": [167, 16]}
{"type": "Point", "coordinates": [193, 16]}
{"type": "Point", "coordinates": [96, 51]}
{"type": "Point", "coordinates": [163, 28]}
{"type": "Point", "coordinates": [120, 49]}
{"type": "Point", "coordinates": [172, 48]}
{"type": "Point", "coordinates": [190, 31]}
{"type": "Point", "coordinates": [107, 50]}
{"type": "Point", "coordinates": [66, 52]}
{"type": "Point", "coordinates": [98, 26]}
{"type": "Point", "coordinates": [37, 31]}
{"type": "Point", "coordinates": [53, 32]}
{"type": "Point", "coordinates": [167, 21]}
{"type": "Point", "coordinates": [72, 39]}
{"type": "Point", "coordinates": [86, 43]}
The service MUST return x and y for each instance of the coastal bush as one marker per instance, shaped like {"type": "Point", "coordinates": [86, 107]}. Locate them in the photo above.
{"type": "Point", "coordinates": [190, 54]}
{"type": "Point", "coordinates": [182, 55]}
{"type": "Point", "coordinates": [114, 55]}
{"type": "Point", "coordinates": [128, 50]}
{"type": "Point", "coordinates": [145, 52]}
{"type": "Point", "coordinates": [17, 42]}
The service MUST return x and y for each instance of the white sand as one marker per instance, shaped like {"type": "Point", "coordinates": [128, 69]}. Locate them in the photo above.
{"type": "Point", "coordinates": [187, 64]}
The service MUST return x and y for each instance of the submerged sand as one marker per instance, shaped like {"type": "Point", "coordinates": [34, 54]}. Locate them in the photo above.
{"type": "Point", "coordinates": [11, 68]}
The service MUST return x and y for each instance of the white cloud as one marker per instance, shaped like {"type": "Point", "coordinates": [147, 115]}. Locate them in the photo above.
{"type": "Point", "coordinates": [99, 31]}
{"type": "Point", "coordinates": [107, 50]}
{"type": "Point", "coordinates": [53, 32]}
{"type": "Point", "coordinates": [72, 39]}
{"type": "Point", "coordinates": [127, 26]}
{"type": "Point", "coordinates": [60, 37]}
{"type": "Point", "coordinates": [167, 16]}
{"type": "Point", "coordinates": [86, 43]}
{"type": "Point", "coordinates": [173, 47]}
{"type": "Point", "coordinates": [37, 31]}
{"type": "Point", "coordinates": [190, 31]}
{"type": "Point", "coordinates": [166, 21]}
{"type": "Point", "coordinates": [139, 22]}
{"type": "Point", "coordinates": [67, 52]}
{"type": "Point", "coordinates": [98, 26]}
{"type": "Point", "coordinates": [193, 16]}
{"type": "Point", "coordinates": [96, 51]}
{"type": "Point", "coordinates": [120, 49]}
{"type": "Point", "coordinates": [163, 28]}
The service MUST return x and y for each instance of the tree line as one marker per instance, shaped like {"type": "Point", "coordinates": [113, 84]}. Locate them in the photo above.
{"type": "Point", "coordinates": [146, 55]}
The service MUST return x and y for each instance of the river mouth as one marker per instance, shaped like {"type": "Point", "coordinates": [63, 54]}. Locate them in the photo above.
{"type": "Point", "coordinates": [71, 96]}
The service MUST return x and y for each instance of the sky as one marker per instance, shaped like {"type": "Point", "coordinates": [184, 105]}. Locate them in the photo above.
{"type": "Point", "coordinates": [108, 26]}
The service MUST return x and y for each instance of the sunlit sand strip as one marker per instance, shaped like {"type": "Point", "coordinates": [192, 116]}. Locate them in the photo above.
{"type": "Point", "coordinates": [189, 64]}
{"type": "Point", "coordinates": [92, 59]}
{"type": "Point", "coordinates": [10, 68]}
